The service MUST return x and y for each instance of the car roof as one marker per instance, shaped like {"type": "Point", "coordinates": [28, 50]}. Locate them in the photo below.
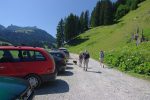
{"type": "Point", "coordinates": [63, 48]}
{"type": "Point", "coordinates": [55, 51]}
{"type": "Point", "coordinates": [20, 48]}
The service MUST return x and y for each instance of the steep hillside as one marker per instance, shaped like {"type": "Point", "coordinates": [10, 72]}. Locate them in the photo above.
{"type": "Point", "coordinates": [31, 36]}
{"type": "Point", "coordinates": [114, 36]}
{"type": "Point", "coordinates": [120, 51]}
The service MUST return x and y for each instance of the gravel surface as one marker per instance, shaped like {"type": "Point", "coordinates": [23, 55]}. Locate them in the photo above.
{"type": "Point", "coordinates": [96, 84]}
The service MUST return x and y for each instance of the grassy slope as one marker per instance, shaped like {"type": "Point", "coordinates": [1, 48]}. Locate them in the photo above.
{"type": "Point", "coordinates": [117, 35]}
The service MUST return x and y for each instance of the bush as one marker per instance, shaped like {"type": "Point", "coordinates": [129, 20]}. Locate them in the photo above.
{"type": "Point", "coordinates": [131, 58]}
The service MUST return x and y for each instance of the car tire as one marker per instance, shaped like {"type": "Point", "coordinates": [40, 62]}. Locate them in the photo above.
{"type": "Point", "coordinates": [56, 71]}
{"type": "Point", "coordinates": [34, 80]}
{"type": "Point", "coordinates": [63, 70]}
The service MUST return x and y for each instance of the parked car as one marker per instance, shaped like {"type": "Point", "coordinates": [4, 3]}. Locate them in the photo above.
{"type": "Point", "coordinates": [15, 89]}
{"type": "Point", "coordinates": [65, 51]}
{"type": "Point", "coordinates": [32, 63]}
{"type": "Point", "coordinates": [60, 63]}
{"type": "Point", "coordinates": [59, 54]}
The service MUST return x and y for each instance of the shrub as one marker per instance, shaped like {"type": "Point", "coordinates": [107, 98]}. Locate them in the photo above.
{"type": "Point", "coordinates": [131, 58]}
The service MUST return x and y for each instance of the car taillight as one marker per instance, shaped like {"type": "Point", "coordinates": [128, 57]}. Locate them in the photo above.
{"type": "Point", "coordinates": [48, 70]}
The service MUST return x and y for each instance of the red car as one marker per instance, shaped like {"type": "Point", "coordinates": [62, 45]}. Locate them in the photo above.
{"type": "Point", "coordinates": [32, 63]}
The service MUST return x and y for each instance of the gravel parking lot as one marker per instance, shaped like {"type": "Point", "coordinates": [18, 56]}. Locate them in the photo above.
{"type": "Point", "coordinates": [95, 84]}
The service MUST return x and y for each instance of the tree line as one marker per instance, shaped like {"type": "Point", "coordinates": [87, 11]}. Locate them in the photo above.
{"type": "Point", "coordinates": [105, 12]}
{"type": "Point", "coordinates": [71, 26]}
{"type": "Point", "coordinates": [122, 7]}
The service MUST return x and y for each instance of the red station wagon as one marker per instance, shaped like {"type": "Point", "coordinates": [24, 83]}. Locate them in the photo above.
{"type": "Point", "coordinates": [32, 63]}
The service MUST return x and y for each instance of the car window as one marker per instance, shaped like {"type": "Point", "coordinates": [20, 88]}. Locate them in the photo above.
{"type": "Point", "coordinates": [5, 56]}
{"type": "Point", "coordinates": [1, 53]}
{"type": "Point", "coordinates": [37, 56]}
{"type": "Point", "coordinates": [59, 55]}
{"type": "Point", "coordinates": [14, 54]}
{"type": "Point", "coordinates": [21, 55]}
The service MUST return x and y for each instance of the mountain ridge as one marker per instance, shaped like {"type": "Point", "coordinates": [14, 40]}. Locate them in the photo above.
{"type": "Point", "coordinates": [30, 36]}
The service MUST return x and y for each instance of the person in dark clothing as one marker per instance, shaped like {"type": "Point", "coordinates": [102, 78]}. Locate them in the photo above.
{"type": "Point", "coordinates": [7, 57]}
{"type": "Point", "coordinates": [101, 57]}
{"type": "Point", "coordinates": [86, 57]}
{"type": "Point", "coordinates": [80, 59]}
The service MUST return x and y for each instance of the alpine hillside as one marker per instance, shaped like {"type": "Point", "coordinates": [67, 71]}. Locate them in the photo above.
{"type": "Point", "coordinates": [30, 36]}
{"type": "Point", "coordinates": [116, 41]}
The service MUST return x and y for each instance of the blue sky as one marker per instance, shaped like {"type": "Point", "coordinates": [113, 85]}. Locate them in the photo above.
{"type": "Point", "coordinates": [44, 14]}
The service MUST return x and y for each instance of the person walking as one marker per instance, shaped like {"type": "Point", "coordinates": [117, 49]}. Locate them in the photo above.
{"type": "Point", "coordinates": [80, 59]}
{"type": "Point", "coordinates": [86, 56]}
{"type": "Point", "coordinates": [101, 58]}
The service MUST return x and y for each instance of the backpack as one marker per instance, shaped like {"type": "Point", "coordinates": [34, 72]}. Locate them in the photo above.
{"type": "Point", "coordinates": [101, 54]}
{"type": "Point", "coordinates": [87, 56]}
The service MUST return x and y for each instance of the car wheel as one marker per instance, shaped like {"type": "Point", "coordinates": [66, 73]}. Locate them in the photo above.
{"type": "Point", "coordinates": [34, 80]}
{"type": "Point", "coordinates": [63, 70]}
{"type": "Point", "coordinates": [56, 71]}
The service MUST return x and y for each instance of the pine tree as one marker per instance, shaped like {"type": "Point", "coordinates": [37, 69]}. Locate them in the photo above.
{"type": "Point", "coordinates": [77, 27]}
{"type": "Point", "coordinates": [93, 18]}
{"type": "Point", "coordinates": [60, 33]}
{"type": "Point", "coordinates": [134, 4]}
{"type": "Point", "coordinates": [72, 27]}
{"type": "Point", "coordinates": [121, 11]}
{"type": "Point", "coordinates": [108, 12]}
{"type": "Point", "coordinates": [119, 2]}
{"type": "Point", "coordinates": [97, 13]}
{"type": "Point", "coordinates": [82, 22]}
{"type": "Point", "coordinates": [68, 28]}
{"type": "Point", "coordinates": [102, 11]}
{"type": "Point", "coordinates": [86, 20]}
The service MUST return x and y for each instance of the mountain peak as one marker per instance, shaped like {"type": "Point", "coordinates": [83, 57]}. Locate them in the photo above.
{"type": "Point", "coordinates": [13, 27]}
{"type": "Point", "coordinates": [2, 27]}
{"type": "Point", "coordinates": [31, 36]}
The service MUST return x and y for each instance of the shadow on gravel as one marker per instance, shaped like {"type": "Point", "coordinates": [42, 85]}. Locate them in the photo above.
{"type": "Point", "coordinates": [69, 68]}
{"type": "Point", "coordinates": [87, 68]}
{"type": "Point", "coordinates": [66, 73]}
{"type": "Point", "coordinates": [69, 63]}
{"type": "Point", "coordinates": [109, 67]}
{"type": "Point", "coordinates": [58, 86]}
{"type": "Point", "coordinates": [95, 71]}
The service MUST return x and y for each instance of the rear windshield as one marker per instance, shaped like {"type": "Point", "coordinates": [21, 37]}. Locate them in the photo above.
{"type": "Point", "coordinates": [65, 51]}
{"type": "Point", "coordinates": [57, 54]}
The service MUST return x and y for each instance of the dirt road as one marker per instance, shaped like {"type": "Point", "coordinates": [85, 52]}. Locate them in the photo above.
{"type": "Point", "coordinates": [95, 84]}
